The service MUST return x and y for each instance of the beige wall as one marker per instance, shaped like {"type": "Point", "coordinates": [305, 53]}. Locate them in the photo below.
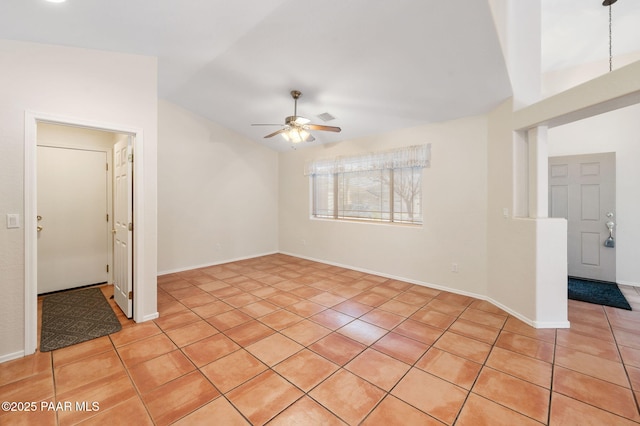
{"type": "Point", "coordinates": [454, 203]}
{"type": "Point", "coordinates": [74, 84]}
{"type": "Point", "coordinates": [515, 263]}
{"type": "Point", "coordinates": [74, 137]}
{"type": "Point", "coordinates": [526, 257]}
{"type": "Point", "coordinates": [217, 193]}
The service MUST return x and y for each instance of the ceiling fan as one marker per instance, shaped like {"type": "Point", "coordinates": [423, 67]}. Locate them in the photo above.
{"type": "Point", "coordinates": [295, 128]}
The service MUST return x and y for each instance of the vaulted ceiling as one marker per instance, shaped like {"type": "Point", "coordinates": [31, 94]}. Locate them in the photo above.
{"type": "Point", "coordinates": [374, 65]}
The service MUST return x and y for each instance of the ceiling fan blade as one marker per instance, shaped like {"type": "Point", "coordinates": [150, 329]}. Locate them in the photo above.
{"type": "Point", "coordinates": [277, 132]}
{"type": "Point", "coordinates": [321, 127]}
{"type": "Point", "coordinates": [310, 138]}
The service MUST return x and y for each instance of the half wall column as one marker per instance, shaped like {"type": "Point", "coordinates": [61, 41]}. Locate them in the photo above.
{"type": "Point", "coordinates": [538, 172]}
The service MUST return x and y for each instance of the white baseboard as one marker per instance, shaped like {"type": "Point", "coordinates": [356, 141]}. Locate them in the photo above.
{"type": "Point", "coordinates": [559, 324]}
{"type": "Point", "coordinates": [526, 320]}
{"type": "Point", "coordinates": [150, 317]}
{"type": "Point", "coordinates": [532, 323]}
{"type": "Point", "coordinates": [11, 356]}
{"type": "Point", "coordinates": [629, 283]}
{"type": "Point", "coordinates": [220, 262]}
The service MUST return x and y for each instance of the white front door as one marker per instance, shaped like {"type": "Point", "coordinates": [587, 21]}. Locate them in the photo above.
{"type": "Point", "coordinates": [123, 226]}
{"type": "Point", "coordinates": [582, 189]}
{"type": "Point", "coordinates": [72, 211]}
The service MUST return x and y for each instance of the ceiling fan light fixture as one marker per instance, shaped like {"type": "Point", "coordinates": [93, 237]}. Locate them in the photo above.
{"type": "Point", "coordinates": [296, 135]}
{"type": "Point", "coordinates": [304, 134]}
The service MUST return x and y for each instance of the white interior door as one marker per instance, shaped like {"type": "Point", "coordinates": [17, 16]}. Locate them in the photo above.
{"type": "Point", "coordinates": [582, 189]}
{"type": "Point", "coordinates": [123, 226]}
{"type": "Point", "coordinates": [72, 205]}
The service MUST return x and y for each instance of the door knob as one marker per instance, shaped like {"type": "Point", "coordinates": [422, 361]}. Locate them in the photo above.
{"type": "Point", "coordinates": [610, 242]}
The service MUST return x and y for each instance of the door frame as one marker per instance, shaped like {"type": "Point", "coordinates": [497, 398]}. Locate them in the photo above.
{"type": "Point", "coordinates": [30, 212]}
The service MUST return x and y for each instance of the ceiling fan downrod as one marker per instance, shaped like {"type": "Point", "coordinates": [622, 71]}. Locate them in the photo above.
{"type": "Point", "coordinates": [295, 94]}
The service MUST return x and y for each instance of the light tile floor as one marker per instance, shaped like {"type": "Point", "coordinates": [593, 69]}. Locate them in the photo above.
{"type": "Point", "coordinates": [281, 340]}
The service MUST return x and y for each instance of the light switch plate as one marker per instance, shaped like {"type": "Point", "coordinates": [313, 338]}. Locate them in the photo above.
{"type": "Point", "coordinates": [13, 220]}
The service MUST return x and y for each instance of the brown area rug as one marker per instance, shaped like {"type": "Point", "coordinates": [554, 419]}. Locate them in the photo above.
{"type": "Point", "coordinates": [75, 316]}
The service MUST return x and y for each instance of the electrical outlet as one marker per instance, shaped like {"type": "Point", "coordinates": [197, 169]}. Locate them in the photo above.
{"type": "Point", "coordinates": [454, 268]}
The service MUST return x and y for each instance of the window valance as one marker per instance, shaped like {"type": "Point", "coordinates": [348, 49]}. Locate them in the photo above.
{"type": "Point", "coordinates": [411, 156]}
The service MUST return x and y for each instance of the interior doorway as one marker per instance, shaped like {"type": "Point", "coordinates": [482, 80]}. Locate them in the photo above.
{"type": "Point", "coordinates": [84, 203]}
{"type": "Point", "coordinates": [32, 123]}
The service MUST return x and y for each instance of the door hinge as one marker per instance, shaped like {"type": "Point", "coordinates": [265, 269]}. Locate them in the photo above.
{"type": "Point", "coordinates": [130, 158]}
{"type": "Point", "coordinates": [107, 217]}
{"type": "Point", "coordinates": [131, 295]}
{"type": "Point", "coordinates": [130, 226]}
{"type": "Point", "coordinates": [107, 165]}
{"type": "Point", "coordinates": [107, 268]}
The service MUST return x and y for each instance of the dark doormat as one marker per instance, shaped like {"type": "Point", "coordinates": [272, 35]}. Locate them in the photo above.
{"type": "Point", "coordinates": [598, 292]}
{"type": "Point", "coordinates": [75, 316]}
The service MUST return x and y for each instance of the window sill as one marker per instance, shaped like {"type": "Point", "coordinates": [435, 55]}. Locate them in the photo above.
{"type": "Point", "coordinates": [370, 222]}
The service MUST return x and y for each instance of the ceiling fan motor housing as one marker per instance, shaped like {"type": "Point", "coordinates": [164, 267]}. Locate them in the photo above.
{"type": "Point", "coordinates": [295, 120]}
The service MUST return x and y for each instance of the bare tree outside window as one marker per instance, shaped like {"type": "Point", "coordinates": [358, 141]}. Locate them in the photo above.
{"type": "Point", "coordinates": [407, 187]}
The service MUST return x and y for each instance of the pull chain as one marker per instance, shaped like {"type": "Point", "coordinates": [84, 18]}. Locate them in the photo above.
{"type": "Point", "coordinates": [610, 43]}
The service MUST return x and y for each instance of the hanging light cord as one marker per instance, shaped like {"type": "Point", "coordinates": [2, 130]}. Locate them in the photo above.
{"type": "Point", "coordinates": [610, 43]}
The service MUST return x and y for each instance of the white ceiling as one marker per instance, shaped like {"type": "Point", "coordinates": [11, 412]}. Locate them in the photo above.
{"type": "Point", "coordinates": [375, 65]}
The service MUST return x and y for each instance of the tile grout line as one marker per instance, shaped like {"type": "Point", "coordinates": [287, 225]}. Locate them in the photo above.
{"type": "Point", "coordinates": [624, 365]}
{"type": "Point", "coordinates": [242, 270]}
{"type": "Point", "coordinates": [588, 375]}
{"type": "Point", "coordinates": [339, 367]}
{"type": "Point", "coordinates": [484, 365]}
{"type": "Point", "coordinates": [133, 383]}
{"type": "Point", "coordinates": [422, 306]}
{"type": "Point", "coordinates": [269, 368]}
{"type": "Point", "coordinates": [307, 347]}
{"type": "Point", "coordinates": [553, 371]}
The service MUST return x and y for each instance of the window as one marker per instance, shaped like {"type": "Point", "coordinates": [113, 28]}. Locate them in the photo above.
{"type": "Point", "coordinates": [385, 187]}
